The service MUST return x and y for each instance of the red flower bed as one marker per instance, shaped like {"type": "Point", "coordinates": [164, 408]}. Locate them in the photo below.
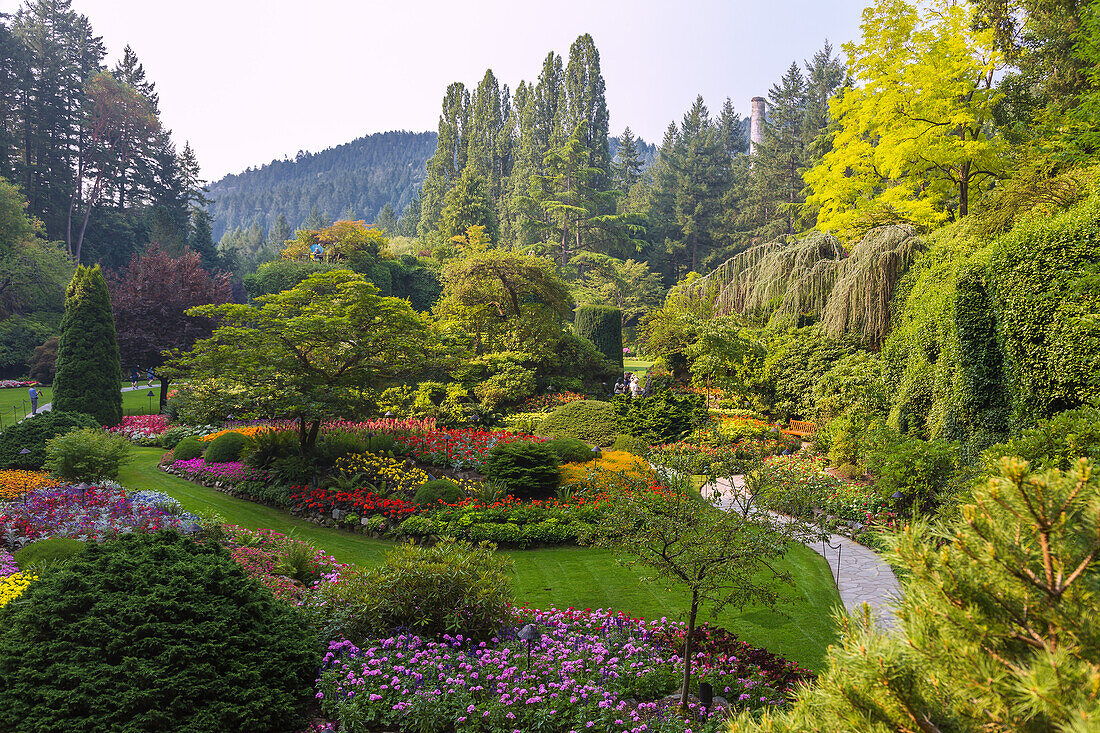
{"type": "Point", "coordinates": [360, 501]}
{"type": "Point", "coordinates": [456, 448]}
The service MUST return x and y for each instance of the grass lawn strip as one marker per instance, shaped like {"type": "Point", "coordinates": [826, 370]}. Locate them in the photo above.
{"type": "Point", "coordinates": [555, 576]}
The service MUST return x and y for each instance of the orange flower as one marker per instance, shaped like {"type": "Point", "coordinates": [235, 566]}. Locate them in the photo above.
{"type": "Point", "coordinates": [17, 484]}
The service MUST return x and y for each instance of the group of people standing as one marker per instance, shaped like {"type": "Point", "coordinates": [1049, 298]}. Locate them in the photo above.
{"type": "Point", "coordinates": [629, 384]}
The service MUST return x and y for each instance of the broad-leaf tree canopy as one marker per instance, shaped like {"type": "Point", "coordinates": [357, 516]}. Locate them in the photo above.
{"type": "Point", "coordinates": [309, 353]}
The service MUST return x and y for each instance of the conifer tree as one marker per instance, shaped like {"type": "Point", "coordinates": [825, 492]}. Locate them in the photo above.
{"type": "Point", "coordinates": [280, 232]}
{"type": "Point", "coordinates": [201, 240]}
{"type": "Point", "coordinates": [585, 102]}
{"type": "Point", "coordinates": [997, 627]}
{"type": "Point", "coordinates": [450, 158]}
{"type": "Point", "coordinates": [88, 372]}
{"type": "Point", "coordinates": [386, 221]}
{"type": "Point", "coordinates": [627, 168]}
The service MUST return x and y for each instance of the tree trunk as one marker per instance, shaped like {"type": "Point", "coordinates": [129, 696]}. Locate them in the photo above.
{"type": "Point", "coordinates": [307, 437]}
{"type": "Point", "coordinates": [964, 189]}
{"type": "Point", "coordinates": [689, 648]}
{"type": "Point", "coordinates": [164, 382]}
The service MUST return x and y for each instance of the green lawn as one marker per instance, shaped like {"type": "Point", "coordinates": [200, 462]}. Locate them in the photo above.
{"type": "Point", "coordinates": [638, 366]}
{"type": "Point", "coordinates": [15, 404]}
{"type": "Point", "coordinates": [560, 576]}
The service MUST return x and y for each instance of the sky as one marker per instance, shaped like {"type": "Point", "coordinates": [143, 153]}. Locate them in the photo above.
{"type": "Point", "coordinates": [247, 81]}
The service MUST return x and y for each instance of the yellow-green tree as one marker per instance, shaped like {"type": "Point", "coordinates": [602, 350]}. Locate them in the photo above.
{"type": "Point", "coordinates": [914, 137]}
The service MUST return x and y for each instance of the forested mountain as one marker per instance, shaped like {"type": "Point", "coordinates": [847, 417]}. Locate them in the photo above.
{"type": "Point", "coordinates": [350, 181]}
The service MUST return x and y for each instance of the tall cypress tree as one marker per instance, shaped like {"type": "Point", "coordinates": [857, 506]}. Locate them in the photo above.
{"type": "Point", "coordinates": [88, 371]}
{"type": "Point", "coordinates": [585, 102]}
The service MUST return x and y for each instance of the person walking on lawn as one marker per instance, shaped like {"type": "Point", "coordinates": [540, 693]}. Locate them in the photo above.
{"type": "Point", "coordinates": [33, 394]}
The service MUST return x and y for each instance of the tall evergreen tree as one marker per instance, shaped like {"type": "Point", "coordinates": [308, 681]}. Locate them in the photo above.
{"type": "Point", "coordinates": [280, 232]}
{"type": "Point", "coordinates": [585, 102]}
{"type": "Point", "coordinates": [386, 221]}
{"type": "Point", "coordinates": [627, 168]}
{"type": "Point", "coordinates": [201, 240]}
{"type": "Point", "coordinates": [467, 205]}
{"type": "Point", "coordinates": [88, 372]}
{"type": "Point", "coordinates": [449, 160]}
{"type": "Point", "coordinates": [702, 173]}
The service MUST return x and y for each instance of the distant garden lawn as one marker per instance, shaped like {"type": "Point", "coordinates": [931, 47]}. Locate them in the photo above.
{"type": "Point", "coordinates": [15, 404]}
{"type": "Point", "coordinates": [559, 576]}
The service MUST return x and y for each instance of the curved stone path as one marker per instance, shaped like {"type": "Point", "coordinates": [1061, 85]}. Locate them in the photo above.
{"type": "Point", "coordinates": [861, 575]}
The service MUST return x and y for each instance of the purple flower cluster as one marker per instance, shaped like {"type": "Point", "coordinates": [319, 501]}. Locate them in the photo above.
{"type": "Point", "coordinates": [7, 564]}
{"type": "Point", "coordinates": [590, 671]}
{"type": "Point", "coordinates": [231, 473]}
{"type": "Point", "coordinates": [94, 514]}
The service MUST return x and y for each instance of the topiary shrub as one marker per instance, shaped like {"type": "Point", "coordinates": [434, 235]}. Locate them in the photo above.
{"type": "Point", "coordinates": [526, 470]}
{"type": "Point", "coordinates": [87, 454]}
{"type": "Point", "coordinates": [153, 632]}
{"type": "Point", "coordinates": [88, 372]}
{"type": "Point", "coordinates": [226, 447]}
{"type": "Point", "coordinates": [432, 492]}
{"type": "Point", "coordinates": [630, 444]}
{"type": "Point", "coordinates": [571, 450]}
{"type": "Point", "coordinates": [603, 326]}
{"type": "Point", "coordinates": [665, 417]}
{"type": "Point", "coordinates": [32, 434]}
{"type": "Point", "coordinates": [189, 448]}
{"type": "Point", "coordinates": [47, 554]}
{"type": "Point", "coordinates": [592, 421]}
{"type": "Point", "coordinates": [451, 588]}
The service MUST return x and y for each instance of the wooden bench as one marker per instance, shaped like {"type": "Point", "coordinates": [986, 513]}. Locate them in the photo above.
{"type": "Point", "coordinates": [801, 428]}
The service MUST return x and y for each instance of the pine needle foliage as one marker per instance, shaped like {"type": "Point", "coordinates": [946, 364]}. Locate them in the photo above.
{"type": "Point", "coordinates": [998, 625]}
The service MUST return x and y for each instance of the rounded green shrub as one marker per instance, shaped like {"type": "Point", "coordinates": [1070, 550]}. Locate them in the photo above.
{"type": "Point", "coordinates": [49, 553]}
{"type": "Point", "coordinates": [153, 632]}
{"type": "Point", "coordinates": [226, 447]}
{"type": "Point", "coordinates": [526, 470]}
{"type": "Point", "coordinates": [571, 450]}
{"type": "Point", "coordinates": [432, 492]}
{"type": "Point", "coordinates": [188, 448]}
{"type": "Point", "coordinates": [451, 588]}
{"type": "Point", "coordinates": [592, 421]}
{"type": "Point", "coordinates": [172, 436]}
{"type": "Point", "coordinates": [630, 444]}
{"type": "Point", "coordinates": [32, 434]}
{"type": "Point", "coordinates": [87, 454]}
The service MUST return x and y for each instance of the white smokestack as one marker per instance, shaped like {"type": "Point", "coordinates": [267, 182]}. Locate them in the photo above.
{"type": "Point", "coordinates": [756, 123]}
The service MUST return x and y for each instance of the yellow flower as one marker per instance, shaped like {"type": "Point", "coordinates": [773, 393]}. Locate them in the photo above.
{"type": "Point", "coordinates": [17, 484]}
{"type": "Point", "coordinates": [13, 586]}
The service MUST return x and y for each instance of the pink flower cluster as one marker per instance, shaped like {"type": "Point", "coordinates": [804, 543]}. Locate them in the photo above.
{"type": "Point", "coordinates": [141, 429]}
{"type": "Point", "coordinates": [7, 564]}
{"type": "Point", "coordinates": [232, 472]}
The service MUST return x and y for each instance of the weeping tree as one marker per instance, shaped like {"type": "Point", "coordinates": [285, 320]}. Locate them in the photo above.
{"type": "Point", "coordinates": [780, 282]}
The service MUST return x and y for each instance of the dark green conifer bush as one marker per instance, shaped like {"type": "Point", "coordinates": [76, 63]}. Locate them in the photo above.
{"type": "Point", "coordinates": [88, 371]}
{"type": "Point", "coordinates": [526, 470]}
{"type": "Point", "coordinates": [153, 632]}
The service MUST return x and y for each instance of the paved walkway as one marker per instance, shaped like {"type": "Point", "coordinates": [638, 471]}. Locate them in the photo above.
{"type": "Point", "coordinates": [863, 576]}
{"type": "Point", "coordinates": [49, 405]}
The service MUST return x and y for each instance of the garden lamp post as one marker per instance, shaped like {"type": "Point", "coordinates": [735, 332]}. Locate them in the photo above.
{"type": "Point", "coordinates": [595, 455]}
{"type": "Point", "coordinates": [388, 415]}
{"type": "Point", "coordinates": [150, 396]}
{"type": "Point", "coordinates": [83, 492]}
{"type": "Point", "coordinates": [530, 635]}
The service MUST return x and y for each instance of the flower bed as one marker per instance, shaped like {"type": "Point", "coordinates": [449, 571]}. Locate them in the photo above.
{"type": "Point", "coordinates": [284, 565]}
{"type": "Point", "coordinates": [12, 586]}
{"type": "Point", "coordinates": [227, 474]}
{"type": "Point", "coordinates": [15, 484]}
{"type": "Point", "coordinates": [96, 514]}
{"type": "Point", "coordinates": [382, 474]}
{"type": "Point", "coordinates": [589, 671]}
{"type": "Point", "coordinates": [248, 430]}
{"type": "Point", "coordinates": [142, 429]}
{"type": "Point", "coordinates": [457, 449]}
{"type": "Point", "coordinates": [547, 402]}
{"type": "Point", "coordinates": [307, 500]}
{"type": "Point", "coordinates": [10, 383]}
{"type": "Point", "coordinates": [7, 564]}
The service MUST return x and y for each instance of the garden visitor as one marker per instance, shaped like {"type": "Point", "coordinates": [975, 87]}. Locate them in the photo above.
{"type": "Point", "coordinates": [620, 386]}
{"type": "Point", "coordinates": [33, 393]}
{"type": "Point", "coordinates": [150, 375]}
{"type": "Point", "coordinates": [134, 377]}
{"type": "Point", "coordinates": [635, 386]}
{"type": "Point", "coordinates": [317, 251]}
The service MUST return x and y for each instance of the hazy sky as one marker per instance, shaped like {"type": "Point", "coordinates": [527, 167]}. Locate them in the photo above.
{"type": "Point", "coordinates": [247, 81]}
